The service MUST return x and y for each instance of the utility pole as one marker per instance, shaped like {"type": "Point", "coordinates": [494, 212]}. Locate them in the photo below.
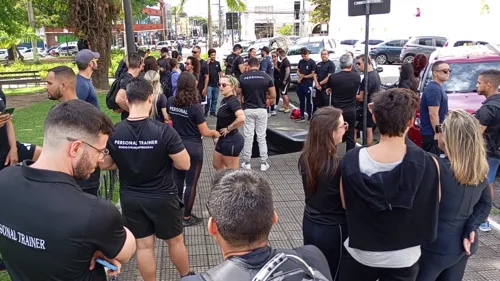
{"type": "Point", "coordinates": [209, 25]}
{"type": "Point", "coordinates": [31, 19]}
{"type": "Point", "coordinates": [303, 19]}
{"type": "Point", "coordinates": [129, 30]}
{"type": "Point", "coordinates": [221, 36]}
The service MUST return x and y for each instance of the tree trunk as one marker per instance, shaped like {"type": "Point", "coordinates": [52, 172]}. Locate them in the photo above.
{"type": "Point", "coordinates": [209, 26]}
{"type": "Point", "coordinates": [102, 45]}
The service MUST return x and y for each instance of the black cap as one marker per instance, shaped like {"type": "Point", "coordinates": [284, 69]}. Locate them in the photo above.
{"type": "Point", "coordinates": [237, 46]}
{"type": "Point", "coordinates": [266, 49]}
{"type": "Point", "coordinates": [164, 50]}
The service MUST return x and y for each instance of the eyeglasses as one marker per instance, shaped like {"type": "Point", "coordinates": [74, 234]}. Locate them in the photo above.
{"type": "Point", "coordinates": [187, 63]}
{"type": "Point", "coordinates": [445, 71]}
{"type": "Point", "coordinates": [208, 209]}
{"type": "Point", "coordinates": [345, 125]}
{"type": "Point", "coordinates": [102, 152]}
{"type": "Point", "coordinates": [223, 85]}
{"type": "Point", "coordinates": [194, 52]}
{"type": "Point", "coordinates": [358, 63]}
{"type": "Point", "coordinates": [439, 128]}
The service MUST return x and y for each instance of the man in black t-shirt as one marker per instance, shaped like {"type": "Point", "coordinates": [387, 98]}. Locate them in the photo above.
{"type": "Point", "coordinates": [305, 70]}
{"type": "Point", "coordinates": [256, 87]}
{"type": "Point", "coordinates": [373, 87]}
{"type": "Point", "coordinates": [164, 62]}
{"type": "Point", "coordinates": [342, 88]}
{"type": "Point", "coordinates": [146, 151]}
{"type": "Point", "coordinates": [203, 82]}
{"type": "Point", "coordinates": [284, 78]}
{"type": "Point", "coordinates": [214, 75]}
{"type": "Point", "coordinates": [12, 151]}
{"type": "Point", "coordinates": [55, 230]}
{"type": "Point", "coordinates": [230, 58]}
{"type": "Point", "coordinates": [238, 63]}
{"type": "Point", "coordinates": [61, 86]}
{"type": "Point", "coordinates": [324, 69]}
{"type": "Point", "coordinates": [242, 227]}
{"type": "Point", "coordinates": [135, 66]}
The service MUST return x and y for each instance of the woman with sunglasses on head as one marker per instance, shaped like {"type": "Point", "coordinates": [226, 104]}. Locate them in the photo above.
{"type": "Point", "coordinates": [230, 116]}
{"type": "Point", "coordinates": [192, 66]}
{"type": "Point", "coordinates": [159, 111]}
{"type": "Point", "coordinates": [188, 120]}
{"type": "Point", "coordinates": [324, 222]}
{"type": "Point", "coordinates": [465, 198]}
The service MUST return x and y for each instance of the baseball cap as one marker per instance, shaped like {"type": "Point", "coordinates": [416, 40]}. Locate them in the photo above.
{"type": "Point", "coordinates": [266, 49]}
{"type": "Point", "coordinates": [85, 56]}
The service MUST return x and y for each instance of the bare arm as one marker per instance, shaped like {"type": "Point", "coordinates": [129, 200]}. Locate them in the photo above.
{"type": "Point", "coordinates": [206, 83]}
{"type": "Point", "coordinates": [11, 134]}
{"type": "Point", "coordinates": [342, 198]}
{"type": "Point", "coordinates": [439, 176]}
{"type": "Point", "coordinates": [220, 75]}
{"type": "Point", "coordinates": [108, 164]}
{"type": "Point", "coordinates": [310, 75]}
{"type": "Point", "coordinates": [325, 81]}
{"type": "Point", "coordinates": [181, 160]}
{"type": "Point", "coordinates": [271, 93]}
{"type": "Point", "coordinates": [128, 249]}
{"type": "Point", "coordinates": [242, 68]}
{"type": "Point", "coordinates": [287, 73]}
{"type": "Point", "coordinates": [360, 96]}
{"type": "Point", "coordinates": [206, 132]}
{"type": "Point", "coordinates": [483, 128]}
{"type": "Point", "coordinates": [434, 116]}
{"type": "Point", "coordinates": [165, 114]}
{"type": "Point", "coordinates": [121, 99]}
{"type": "Point", "coordinates": [240, 119]}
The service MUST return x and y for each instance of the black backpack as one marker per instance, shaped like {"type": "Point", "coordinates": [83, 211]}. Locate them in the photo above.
{"type": "Point", "coordinates": [111, 95]}
{"type": "Point", "coordinates": [286, 265]}
{"type": "Point", "coordinates": [167, 84]}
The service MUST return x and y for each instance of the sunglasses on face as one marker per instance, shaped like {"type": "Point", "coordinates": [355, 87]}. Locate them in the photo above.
{"type": "Point", "coordinates": [345, 125]}
{"type": "Point", "coordinates": [439, 129]}
{"type": "Point", "coordinates": [445, 71]}
{"type": "Point", "coordinates": [187, 63]}
{"type": "Point", "coordinates": [358, 63]}
{"type": "Point", "coordinates": [194, 52]}
{"type": "Point", "coordinates": [223, 85]}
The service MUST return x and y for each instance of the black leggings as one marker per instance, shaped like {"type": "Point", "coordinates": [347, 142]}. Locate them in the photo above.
{"type": "Point", "coordinates": [191, 177]}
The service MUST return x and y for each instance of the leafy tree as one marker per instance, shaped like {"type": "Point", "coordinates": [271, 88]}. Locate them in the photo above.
{"type": "Point", "coordinates": [233, 5]}
{"type": "Point", "coordinates": [286, 29]}
{"type": "Point", "coordinates": [14, 25]}
{"type": "Point", "coordinates": [321, 14]}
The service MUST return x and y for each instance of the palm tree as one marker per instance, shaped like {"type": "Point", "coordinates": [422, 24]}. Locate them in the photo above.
{"type": "Point", "coordinates": [233, 5]}
{"type": "Point", "coordinates": [176, 11]}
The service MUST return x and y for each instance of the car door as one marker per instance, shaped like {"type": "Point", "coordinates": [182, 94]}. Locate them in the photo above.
{"type": "Point", "coordinates": [425, 45]}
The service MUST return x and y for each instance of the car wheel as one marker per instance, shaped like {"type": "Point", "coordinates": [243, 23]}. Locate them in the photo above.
{"type": "Point", "coordinates": [408, 59]}
{"type": "Point", "coordinates": [381, 59]}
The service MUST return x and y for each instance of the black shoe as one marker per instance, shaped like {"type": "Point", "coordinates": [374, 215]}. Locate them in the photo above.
{"type": "Point", "coordinates": [206, 114]}
{"type": "Point", "coordinates": [192, 221]}
{"type": "Point", "coordinates": [189, 274]}
{"type": "Point", "coordinates": [213, 115]}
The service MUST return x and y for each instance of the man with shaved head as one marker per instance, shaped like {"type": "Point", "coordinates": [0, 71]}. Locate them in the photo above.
{"type": "Point", "coordinates": [61, 84]}
{"type": "Point", "coordinates": [489, 117]}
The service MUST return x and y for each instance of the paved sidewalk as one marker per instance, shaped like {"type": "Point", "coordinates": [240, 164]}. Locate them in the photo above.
{"type": "Point", "coordinates": [288, 196]}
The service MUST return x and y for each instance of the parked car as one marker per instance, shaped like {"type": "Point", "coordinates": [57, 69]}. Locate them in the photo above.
{"type": "Point", "coordinates": [162, 44]}
{"type": "Point", "coordinates": [388, 51]}
{"type": "Point", "coordinates": [66, 50]}
{"type": "Point", "coordinates": [466, 63]}
{"type": "Point", "coordinates": [294, 39]}
{"type": "Point", "coordinates": [314, 45]}
{"type": "Point", "coordinates": [421, 45]}
{"type": "Point", "coordinates": [272, 43]}
{"type": "Point", "coordinates": [457, 42]}
{"type": "Point", "coordinates": [359, 47]}
{"type": "Point", "coordinates": [4, 55]}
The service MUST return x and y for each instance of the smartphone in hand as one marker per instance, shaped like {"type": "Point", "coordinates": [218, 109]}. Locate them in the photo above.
{"type": "Point", "coordinates": [9, 111]}
{"type": "Point", "coordinates": [107, 264]}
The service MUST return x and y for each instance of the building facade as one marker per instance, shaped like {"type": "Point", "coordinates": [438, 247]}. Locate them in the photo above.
{"type": "Point", "coordinates": [263, 18]}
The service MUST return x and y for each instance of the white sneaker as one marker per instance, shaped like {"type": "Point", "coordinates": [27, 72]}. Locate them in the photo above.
{"type": "Point", "coordinates": [269, 114]}
{"type": "Point", "coordinates": [244, 165]}
{"type": "Point", "coordinates": [273, 112]}
{"type": "Point", "coordinates": [264, 167]}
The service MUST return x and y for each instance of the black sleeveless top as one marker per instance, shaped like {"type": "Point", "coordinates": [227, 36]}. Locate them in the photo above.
{"type": "Point", "coordinates": [391, 210]}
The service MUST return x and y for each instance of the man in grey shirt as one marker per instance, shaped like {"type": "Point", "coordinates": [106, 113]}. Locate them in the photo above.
{"type": "Point", "coordinates": [86, 61]}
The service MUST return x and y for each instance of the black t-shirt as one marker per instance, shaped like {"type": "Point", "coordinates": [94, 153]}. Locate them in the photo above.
{"type": "Point", "coordinates": [213, 73]}
{"type": "Point", "coordinates": [4, 139]}
{"type": "Point", "coordinates": [186, 119]}
{"type": "Point", "coordinates": [229, 63]}
{"type": "Point", "coordinates": [324, 205]}
{"type": "Point", "coordinates": [125, 79]}
{"type": "Point", "coordinates": [276, 73]}
{"type": "Point", "coordinates": [141, 151]}
{"type": "Point", "coordinates": [160, 103]}
{"type": "Point", "coordinates": [54, 228]}
{"type": "Point", "coordinates": [254, 85]}
{"type": "Point", "coordinates": [226, 114]}
{"type": "Point", "coordinates": [373, 84]}
{"type": "Point", "coordinates": [203, 72]}
{"type": "Point", "coordinates": [285, 63]}
{"type": "Point", "coordinates": [323, 68]}
{"type": "Point", "coordinates": [237, 61]}
{"type": "Point", "coordinates": [489, 115]}
{"type": "Point", "coordinates": [344, 85]}
{"type": "Point", "coordinates": [306, 67]}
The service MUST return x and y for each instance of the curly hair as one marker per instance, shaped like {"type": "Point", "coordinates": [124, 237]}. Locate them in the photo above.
{"type": "Point", "coordinates": [187, 93]}
{"type": "Point", "coordinates": [195, 63]}
{"type": "Point", "coordinates": [419, 63]}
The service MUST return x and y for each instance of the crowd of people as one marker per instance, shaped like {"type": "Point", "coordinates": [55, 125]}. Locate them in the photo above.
{"type": "Point", "coordinates": [360, 213]}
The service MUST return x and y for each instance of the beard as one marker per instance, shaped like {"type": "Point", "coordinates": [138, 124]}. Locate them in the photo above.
{"type": "Point", "coordinates": [84, 167]}
{"type": "Point", "coordinates": [54, 96]}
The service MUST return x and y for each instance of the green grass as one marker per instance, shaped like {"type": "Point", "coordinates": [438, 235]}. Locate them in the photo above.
{"type": "Point", "coordinates": [24, 91]}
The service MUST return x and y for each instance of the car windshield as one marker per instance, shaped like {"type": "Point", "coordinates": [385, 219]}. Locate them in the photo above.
{"type": "Point", "coordinates": [313, 47]}
{"type": "Point", "coordinates": [463, 77]}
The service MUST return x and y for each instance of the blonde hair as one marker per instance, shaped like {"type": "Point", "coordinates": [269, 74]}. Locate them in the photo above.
{"type": "Point", "coordinates": [465, 147]}
{"type": "Point", "coordinates": [154, 78]}
{"type": "Point", "coordinates": [234, 82]}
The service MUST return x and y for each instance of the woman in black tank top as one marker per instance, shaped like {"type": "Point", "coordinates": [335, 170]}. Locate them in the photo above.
{"type": "Point", "coordinates": [465, 199]}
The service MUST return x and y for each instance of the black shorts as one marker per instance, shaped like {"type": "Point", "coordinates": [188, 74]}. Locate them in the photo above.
{"type": "Point", "coordinates": [284, 88]}
{"type": "Point", "coordinates": [230, 145]}
{"type": "Point", "coordinates": [147, 216]}
{"type": "Point", "coordinates": [25, 151]}
{"type": "Point", "coordinates": [194, 149]}
{"type": "Point", "coordinates": [359, 120]}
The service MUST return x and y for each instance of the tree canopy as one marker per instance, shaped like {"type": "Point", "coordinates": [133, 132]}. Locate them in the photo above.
{"type": "Point", "coordinates": [321, 14]}
{"type": "Point", "coordinates": [286, 29]}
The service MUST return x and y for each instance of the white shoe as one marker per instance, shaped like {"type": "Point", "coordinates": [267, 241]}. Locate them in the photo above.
{"type": "Point", "coordinates": [264, 167]}
{"type": "Point", "coordinates": [244, 165]}
{"type": "Point", "coordinates": [273, 112]}
{"type": "Point", "coordinates": [269, 114]}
